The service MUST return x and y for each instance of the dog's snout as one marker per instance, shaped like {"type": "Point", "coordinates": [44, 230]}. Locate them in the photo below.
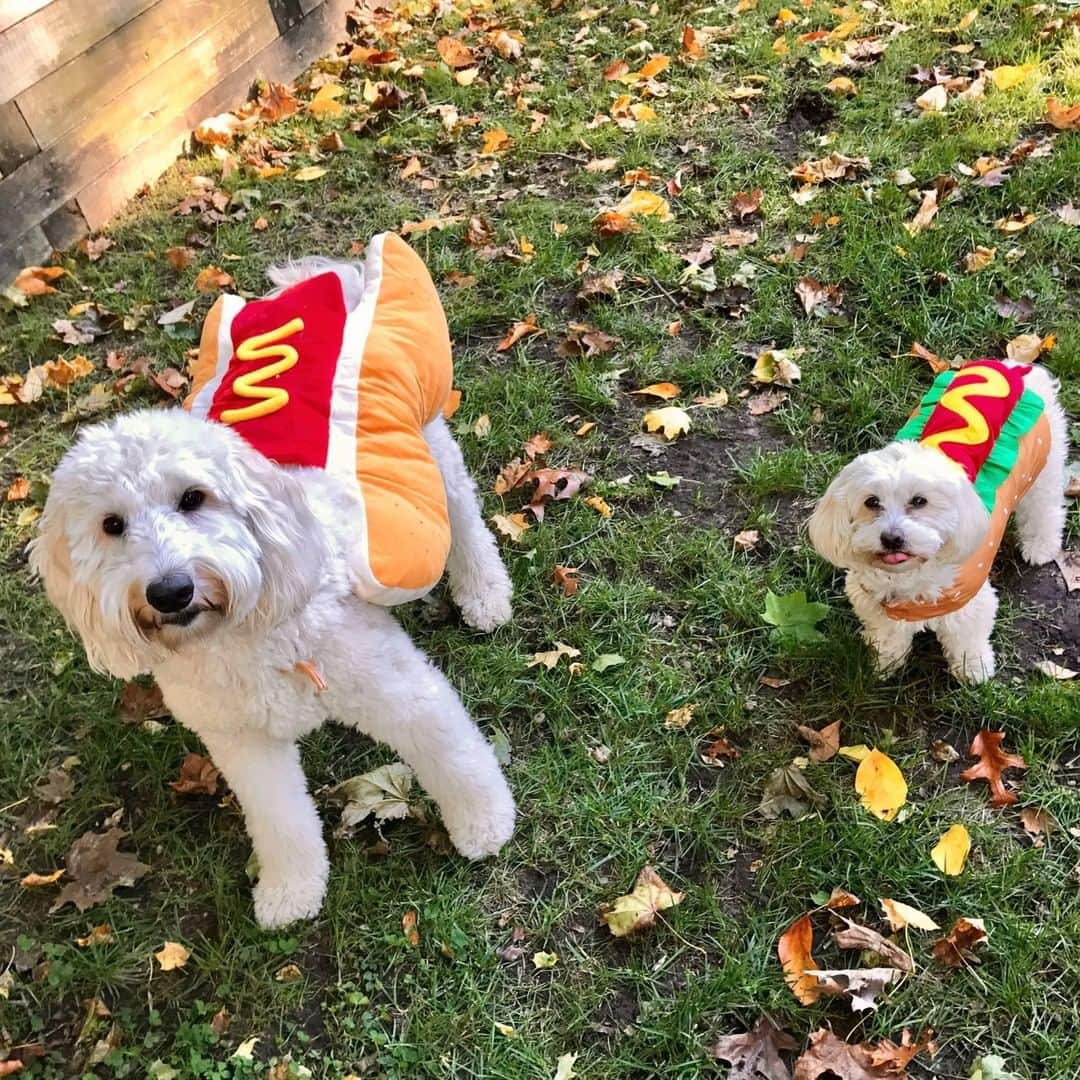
{"type": "Point", "coordinates": [892, 541]}
{"type": "Point", "coordinates": [170, 593]}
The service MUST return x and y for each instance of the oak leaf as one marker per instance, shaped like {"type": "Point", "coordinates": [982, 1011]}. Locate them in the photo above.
{"type": "Point", "coordinates": [954, 950]}
{"type": "Point", "coordinates": [986, 746]}
{"type": "Point", "coordinates": [756, 1053]}
{"type": "Point", "coordinates": [198, 776]}
{"type": "Point", "coordinates": [824, 743]}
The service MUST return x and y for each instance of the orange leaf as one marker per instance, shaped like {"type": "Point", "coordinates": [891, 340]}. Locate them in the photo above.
{"type": "Point", "coordinates": [496, 141]}
{"type": "Point", "coordinates": [409, 927]}
{"type": "Point", "coordinates": [793, 948]}
{"type": "Point", "coordinates": [612, 223]}
{"type": "Point", "coordinates": [211, 279]}
{"type": "Point", "coordinates": [180, 258]}
{"type": "Point", "coordinates": [34, 280]}
{"type": "Point", "coordinates": [521, 329]}
{"type": "Point", "coordinates": [616, 69]}
{"type": "Point", "coordinates": [654, 66]}
{"type": "Point", "coordinates": [962, 938]}
{"type": "Point", "coordinates": [937, 364]}
{"type": "Point", "coordinates": [663, 390]}
{"type": "Point", "coordinates": [565, 578]}
{"type": "Point", "coordinates": [19, 490]}
{"type": "Point", "coordinates": [1062, 116]}
{"type": "Point", "coordinates": [33, 881]}
{"type": "Point", "coordinates": [455, 53]}
{"type": "Point", "coordinates": [986, 746]}
{"type": "Point", "coordinates": [694, 43]}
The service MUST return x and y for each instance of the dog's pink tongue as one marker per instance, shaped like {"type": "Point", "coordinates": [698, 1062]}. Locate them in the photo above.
{"type": "Point", "coordinates": [895, 557]}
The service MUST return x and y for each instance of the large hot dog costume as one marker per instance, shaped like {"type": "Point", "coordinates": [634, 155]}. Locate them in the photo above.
{"type": "Point", "coordinates": [307, 380]}
{"type": "Point", "coordinates": [984, 419]}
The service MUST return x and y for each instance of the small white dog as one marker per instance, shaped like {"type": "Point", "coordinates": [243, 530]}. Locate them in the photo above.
{"type": "Point", "coordinates": [173, 547]}
{"type": "Point", "coordinates": [907, 524]}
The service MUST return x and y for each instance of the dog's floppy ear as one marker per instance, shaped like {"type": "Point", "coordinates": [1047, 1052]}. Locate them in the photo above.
{"type": "Point", "coordinates": [291, 548]}
{"type": "Point", "coordinates": [830, 523]}
{"type": "Point", "coordinates": [50, 560]}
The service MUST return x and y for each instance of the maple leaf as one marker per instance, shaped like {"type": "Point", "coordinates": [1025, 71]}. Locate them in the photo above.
{"type": "Point", "coordinates": [678, 719]}
{"type": "Point", "coordinates": [521, 329]}
{"type": "Point", "coordinates": [881, 785]}
{"type": "Point", "coordinates": [382, 793]}
{"type": "Point", "coordinates": [638, 910]}
{"type": "Point", "coordinates": [585, 339]}
{"type": "Point", "coordinates": [496, 141]}
{"type": "Point", "coordinates": [566, 579]}
{"type": "Point", "coordinates": [794, 950]}
{"type": "Point", "coordinates": [61, 372]}
{"type": "Point", "coordinates": [172, 955]}
{"type": "Point", "coordinates": [831, 1057]}
{"type": "Point", "coordinates": [277, 102]}
{"type": "Point", "coordinates": [96, 868]}
{"type": "Point", "coordinates": [746, 203]}
{"type": "Point", "coordinates": [792, 618]}
{"type": "Point", "coordinates": [986, 746]}
{"type": "Point", "coordinates": [962, 939]}
{"type": "Point", "coordinates": [895, 1058]}
{"type": "Point", "coordinates": [93, 249]}
{"type": "Point", "coordinates": [606, 284]}
{"type": "Point", "coordinates": [553, 656]}
{"type": "Point", "coordinates": [717, 750]}
{"type": "Point", "coordinates": [824, 743]}
{"type": "Point", "coordinates": [198, 776]}
{"type": "Point", "coordinates": [672, 421]}
{"type": "Point", "coordinates": [756, 1053]}
{"type": "Point", "coordinates": [211, 279]}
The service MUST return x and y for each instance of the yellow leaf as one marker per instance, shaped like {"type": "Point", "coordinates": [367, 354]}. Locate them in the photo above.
{"type": "Point", "coordinates": [1014, 223]}
{"type": "Point", "coordinates": [506, 1030]}
{"type": "Point", "coordinates": [1005, 78]}
{"type": "Point", "coordinates": [642, 113]}
{"type": "Point", "coordinates": [496, 141]}
{"type": "Point", "coordinates": [310, 172]}
{"type": "Point", "coordinates": [599, 505]}
{"type": "Point", "coordinates": [325, 103]}
{"type": "Point", "coordinates": [466, 77]}
{"type": "Point", "coordinates": [951, 851]}
{"type": "Point", "coordinates": [643, 203]}
{"type": "Point", "coordinates": [172, 955]}
{"type": "Point", "coordinates": [780, 46]}
{"type": "Point", "coordinates": [858, 752]}
{"type": "Point", "coordinates": [902, 915]}
{"type": "Point", "coordinates": [845, 29]}
{"type": "Point", "coordinates": [544, 960]}
{"type": "Point", "coordinates": [27, 516]}
{"type": "Point", "coordinates": [829, 55]}
{"type": "Point", "coordinates": [968, 19]}
{"type": "Point", "coordinates": [672, 421]}
{"type": "Point", "coordinates": [881, 785]}
{"type": "Point", "coordinates": [553, 656]}
{"type": "Point", "coordinates": [979, 259]}
{"type": "Point", "coordinates": [677, 719]}
{"type": "Point", "coordinates": [933, 100]}
{"type": "Point", "coordinates": [638, 909]}
{"type": "Point", "coordinates": [60, 372]}
{"type": "Point", "coordinates": [842, 85]}
{"type": "Point", "coordinates": [512, 525]}
{"type": "Point", "coordinates": [663, 390]}
{"type": "Point", "coordinates": [268, 172]}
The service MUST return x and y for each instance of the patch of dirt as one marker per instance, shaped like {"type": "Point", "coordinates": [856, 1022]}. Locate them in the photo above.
{"type": "Point", "coordinates": [1049, 619]}
{"type": "Point", "coordinates": [738, 885]}
{"type": "Point", "coordinates": [810, 111]}
{"type": "Point", "coordinates": [614, 1017]}
{"type": "Point", "coordinates": [538, 883]}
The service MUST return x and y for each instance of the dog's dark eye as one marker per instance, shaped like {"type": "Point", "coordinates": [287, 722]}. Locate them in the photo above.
{"type": "Point", "coordinates": [113, 525]}
{"type": "Point", "coordinates": [918, 500]}
{"type": "Point", "coordinates": [873, 503]}
{"type": "Point", "coordinates": [192, 499]}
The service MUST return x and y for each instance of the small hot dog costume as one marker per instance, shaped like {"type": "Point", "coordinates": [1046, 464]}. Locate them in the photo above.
{"type": "Point", "coordinates": [984, 419]}
{"type": "Point", "coordinates": [308, 381]}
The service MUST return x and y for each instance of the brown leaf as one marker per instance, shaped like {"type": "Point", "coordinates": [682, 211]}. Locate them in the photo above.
{"type": "Point", "coordinates": [840, 899]}
{"type": "Point", "coordinates": [833, 167]}
{"type": "Point", "coordinates": [566, 579]}
{"type": "Point", "coordinates": [96, 868]}
{"type": "Point", "coordinates": [612, 223]}
{"type": "Point", "coordinates": [895, 1058]}
{"type": "Point", "coordinates": [824, 743]}
{"type": "Point", "coordinates": [695, 43]}
{"type": "Point", "coordinates": [212, 279]}
{"type": "Point", "coordinates": [585, 339]}
{"type": "Point", "coordinates": [93, 249]}
{"type": "Point", "coordinates": [180, 258]}
{"type": "Point", "coordinates": [1038, 822]}
{"type": "Point", "coordinates": [18, 490]}
{"type": "Point", "coordinates": [937, 364]}
{"type": "Point", "coordinates": [962, 939]}
{"type": "Point", "coordinates": [99, 935]}
{"type": "Point", "coordinates": [986, 746]}
{"type": "Point", "coordinates": [138, 703]}
{"type": "Point", "coordinates": [818, 299]}
{"type": "Point", "coordinates": [455, 53]}
{"type": "Point", "coordinates": [1022, 309]}
{"type": "Point", "coordinates": [830, 1057]}
{"type": "Point", "coordinates": [512, 475]}
{"type": "Point", "coordinates": [767, 402]}
{"type": "Point", "coordinates": [746, 203]}
{"type": "Point", "coordinates": [737, 238]}
{"type": "Point", "coordinates": [757, 1053]}
{"type": "Point", "coordinates": [863, 986]}
{"type": "Point", "coordinates": [496, 141]}
{"type": "Point", "coordinates": [521, 329]}
{"type": "Point", "coordinates": [56, 787]}
{"type": "Point", "coordinates": [169, 381]}
{"type": "Point", "coordinates": [606, 284]}
{"type": "Point", "coordinates": [198, 776]}
{"type": "Point", "coordinates": [478, 233]}
{"type": "Point", "coordinates": [717, 749]}
{"type": "Point", "coordinates": [557, 484]}
{"type": "Point", "coordinates": [61, 372]}
{"type": "Point", "coordinates": [536, 445]}
{"type": "Point", "coordinates": [616, 69]}
{"type": "Point", "coordinates": [793, 948]}
{"type": "Point", "coordinates": [639, 909]}
{"type": "Point", "coordinates": [410, 928]}
{"type": "Point", "coordinates": [854, 936]}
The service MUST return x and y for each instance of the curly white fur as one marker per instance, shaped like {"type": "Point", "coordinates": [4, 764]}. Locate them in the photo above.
{"type": "Point", "coordinates": [936, 538]}
{"type": "Point", "coordinates": [268, 554]}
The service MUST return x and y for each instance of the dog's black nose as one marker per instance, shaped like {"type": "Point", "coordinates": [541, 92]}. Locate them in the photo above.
{"type": "Point", "coordinates": [170, 593]}
{"type": "Point", "coordinates": [892, 541]}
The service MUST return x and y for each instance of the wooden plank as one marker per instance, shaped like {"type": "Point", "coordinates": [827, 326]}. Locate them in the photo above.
{"type": "Point", "coordinates": [45, 182]}
{"type": "Point", "coordinates": [281, 60]}
{"type": "Point", "coordinates": [12, 11]}
{"type": "Point", "coordinates": [64, 226]}
{"type": "Point", "coordinates": [65, 98]}
{"type": "Point", "coordinates": [57, 33]}
{"type": "Point", "coordinates": [17, 144]}
{"type": "Point", "coordinates": [30, 249]}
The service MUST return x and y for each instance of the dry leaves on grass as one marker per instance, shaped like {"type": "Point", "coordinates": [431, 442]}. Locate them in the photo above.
{"type": "Point", "coordinates": [1038, 823]}
{"type": "Point", "coordinates": [523, 328]}
{"type": "Point", "coordinates": [95, 868]}
{"type": "Point", "coordinates": [824, 743]}
{"type": "Point", "coordinates": [172, 956]}
{"type": "Point", "coordinates": [951, 851]}
{"type": "Point", "coordinates": [671, 421]}
{"type": "Point", "coordinates": [36, 280]}
{"type": "Point", "coordinates": [993, 760]}
{"type": "Point", "coordinates": [938, 364]}
{"type": "Point", "coordinates": [956, 949]}
{"type": "Point", "coordinates": [863, 986]}
{"type": "Point", "coordinates": [756, 1053]}
{"type": "Point", "coordinates": [881, 785]}
{"type": "Point", "coordinates": [788, 791]}
{"type": "Point", "coordinates": [1063, 117]}
{"type": "Point", "coordinates": [512, 525]}
{"type": "Point", "coordinates": [833, 167]}
{"type": "Point", "coordinates": [552, 657]}
{"type": "Point", "coordinates": [198, 776]}
{"type": "Point", "coordinates": [638, 910]}
{"type": "Point", "coordinates": [557, 484]}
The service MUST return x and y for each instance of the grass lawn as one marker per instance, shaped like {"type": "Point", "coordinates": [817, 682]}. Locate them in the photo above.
{"type": "Point", "coordinates": [604, 787]}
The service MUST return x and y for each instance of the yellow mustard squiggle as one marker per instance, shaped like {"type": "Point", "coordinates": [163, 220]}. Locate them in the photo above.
{"type": "Point", "coordinates": [262, 347]}
{"type": "Point", "coordinates": [975, 431]}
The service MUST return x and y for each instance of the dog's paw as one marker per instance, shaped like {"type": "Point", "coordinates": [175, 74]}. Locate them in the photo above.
{"type": "Point", "coordinates": [974, 669]}
{"type": "Point", "coordinates": [485, 605]}
{"type": "Point", "coordinates": [1039, 552]}
{"type": "Point", "coordinates": [484, 833]}
{"type": "Point", "coordinates": [278, 903]}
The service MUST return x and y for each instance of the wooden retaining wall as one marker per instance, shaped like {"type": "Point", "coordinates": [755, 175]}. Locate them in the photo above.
{"type": "Point", "coordinates": [97, 97]}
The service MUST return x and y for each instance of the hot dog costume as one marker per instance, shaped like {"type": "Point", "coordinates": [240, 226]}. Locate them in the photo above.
{"type": "Point", "coordinates": [309, 381]}
{"type": "Point", "coordinates": [984, 419]}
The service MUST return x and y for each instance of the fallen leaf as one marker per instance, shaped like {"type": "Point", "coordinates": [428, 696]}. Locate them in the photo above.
{"type": "Point", "coordinates": [663, 390]}
{"type": "Point", "coordinates": [211, 279]}
{"type": "Point", "coordinates": [1038, 822]}
{"type": "Point", "coordinates": [663, 479]}
{"type": "Point", "coordinates": [455, 53]}
{"type": "Point", "coordinates": [717, 750]}
{"type": "Point", "coordinates": [840, 899]}
{"type": "Point", "coordinates": [863, 985]}
{"type": "Point", "coordinates": [926, 213]}
{"type": "Point", "coordinates": [1026, 348]}
{"type": "Point", "coordinates": [99, 935]}
{"type": "Point", "coordinates": [564, 1067]}
{"type": "Point", "coordinates": [792, 617]}
{"type": "Point", "coordinates": [638, 910]}
{"type": "Point", "coordinates": [643, 203]}
{"type": "Point", "coordinates": [1054, 671]}
{"type": "Point", "coordinates": [979, 259]}
{"type": "Point", "coordinates": [35, 881]}
{"type": "Point", "coordinates": [778, 366]}
{"type": "Point", "coordinates": [61, 372]}
{"type": "Point", "coordinates": [139, 703]}
{"type": "Point", "coordinates": [325, 104]}
{"type": "Point", "coordinates": [511, 525]}
{"type": "Point", "coordinates": [833, 167]}
{"type": "Point", "coordinates": [951, 851]}
{"type": "Point", "coordinates": [288, 973]}
{"type": "Point", "coordinates": [95, 868]}
{"type": "Point", "coordinates": [901, 916]}
{"type": "Point", "coordinates": [601, 164]}
{"type": "Point", "coordinates": [818, 299]}
{"type": "Point", "coordinates": [831, 1057]}
{"type": "Point", "coordinates": [991, 1067]}
{"type": "Point", "coordinates": [1062, 116]}
{"type": "Point", "coordinates": [410, 929]}
{"type": "Point", "coordinates": [986, 746]}
{"type": "Point", "coordinates": [716, 400]}
{"type": "Point", "coordinates": [496, 141]}
{"type": "Point", "coordinates": [277, 102]}
{"type": "Point", "coordinates": [599, 505]}
{"type": "Point", "coordinates": [1014, 223]}
{"type": "Point", "coordinates": [857, 753]}
{"type": "Point", "coordinates": [94, 249]}
{"type": "Point", "coordinates": [310, 172]}
{"type": "Point", "coordinates": [565, 578]}
{"type": "Point", "coordinates": [794, 949]}
{"type": "Point", "coordinates": [1010, 75]}
{"type": "Point", "coordinates": [521, 329]}
{"type": "Point", "coordinates": [769, 401]}
{"type": "Point", "coordinates": [557, 484]}
{"type": "Point", "coordinates": [962, 939]}
{"type": "Point", "coordinates": [57, 787]}
{"type": "Point", "coordinates": [1068, 213]}
{"type": "Point", "coordinates": [862, 938]}
{"type": "Point", "coordinates": [172, 955]}
{"type": "Point", "coordinates": [842, 86]}
{"type": "Point", "coordinates": [746, 540]}
{"type": "Point", "coordinates": [198, 776]}
{"type": "Point", "coordinates": [606, 284]}
{"type": "Point", "coordinates": [482, 427]}
{"type": "Point", "coordinates": [544, 961]}
{"type": "Point", "coordinates": [746, 203]}
{"type": "Point", "coordinates": [895, 1058]}
{"type": "Point", "coordinates": [756, 1053]}
{"type": "Point", "coordinates": [881, 785]}
{"type": "Point", "coordinates": [552, 657]}
{"type": "Point", "coordinates": [607, 660]}
{"type": "Point", "coordinates": [677, 719]}
{"type": "Point", "coordinates": [18, 490]}
{"type": "Point", "coordinates": [34, 280]}
{"type": "Point", "coordinates": [824, 743]}
{"type": "Point", "coordinates": [937, 363]}
{"type": "Point", "coordinates": [180, 258]}
{"type": "Point", "coordinates": [788, 791]}
{"type": "Point", "coordinates": [671, 421]}
{"type": "Point", "coordinates": [612, 223]}
{"type": "Point", "coordinates": [1068, 562]}
{"type": "Point", "coordinates": [695, 43]}
{"type": "Point", "coordinates": [382, 793]}
{"type": "Point", "coordinates": [933, 100]}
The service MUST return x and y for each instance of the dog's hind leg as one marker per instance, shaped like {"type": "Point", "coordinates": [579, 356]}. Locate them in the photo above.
{"type": "Point", "coordinates": [479, 582]}
{"type": "Point", "coordinates": [1040, 515]}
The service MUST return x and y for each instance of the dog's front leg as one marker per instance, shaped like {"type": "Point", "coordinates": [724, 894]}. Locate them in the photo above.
{"type": "Point", "coordinates": [891, 639]}
{"type": "Point", "coordinates": [266, 776]}
{"type": "Point", "coordinates": [965, 637]}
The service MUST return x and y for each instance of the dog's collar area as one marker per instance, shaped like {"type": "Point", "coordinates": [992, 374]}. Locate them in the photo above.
{"type": "Point", "coordinates": [308, 669]}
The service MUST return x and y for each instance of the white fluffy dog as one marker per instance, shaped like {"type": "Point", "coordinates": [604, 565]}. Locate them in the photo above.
{"type": "Point", "coordinates": [902, 520]}
{"type": "Point", "coordinates": [173, 547]}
